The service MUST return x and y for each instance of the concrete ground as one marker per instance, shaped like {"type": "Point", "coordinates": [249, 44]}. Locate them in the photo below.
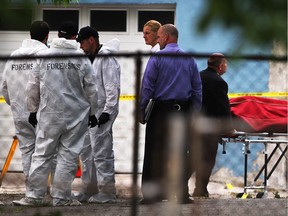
{"type": "Point", "coordinates": [222, 201]}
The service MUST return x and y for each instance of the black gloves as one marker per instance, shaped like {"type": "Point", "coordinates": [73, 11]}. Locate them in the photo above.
{"type": "Point", "coordinates": [103, 118]}
{"type": "Point", "coordinates": [33, 119]}
{"type": "Point", "coordinates": [92, 121]}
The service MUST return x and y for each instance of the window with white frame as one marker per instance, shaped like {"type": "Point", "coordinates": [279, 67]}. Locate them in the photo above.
{"type": "Point", "coordinates": [15, 19]}
{"type": "Point", "coordinates": [55, 17]}
{"type": "Point", "coordinates": [105, 19]}
{"type": "Point", "coordinates": [162, 16]}
{"type": "Point", "coordinates": [109, 20]}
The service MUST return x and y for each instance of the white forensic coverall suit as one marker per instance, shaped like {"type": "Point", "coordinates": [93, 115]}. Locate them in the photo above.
{"type": "Point", "coordinates": [14, 80]}
{"type": "Point", "coordinates": [63, 93]}
{"type": "Point", "coordinates": [97, 156]}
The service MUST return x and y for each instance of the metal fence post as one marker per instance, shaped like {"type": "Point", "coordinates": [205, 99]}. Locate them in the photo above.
{"type": "Point", "coordinates": [138, 62]}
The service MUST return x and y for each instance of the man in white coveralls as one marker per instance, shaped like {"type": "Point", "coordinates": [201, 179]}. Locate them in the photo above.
{"type": "Point", "coordinates": [99, 154]}
{"type": "Point", "coordinates": [14, 80]}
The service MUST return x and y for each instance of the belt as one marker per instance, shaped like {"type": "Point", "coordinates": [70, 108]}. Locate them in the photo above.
{"type": "Point", "coordinates": [175, 104]}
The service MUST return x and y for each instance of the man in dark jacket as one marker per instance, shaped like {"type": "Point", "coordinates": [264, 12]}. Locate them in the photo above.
{"type": "Point", "coordinates": [216, 113]}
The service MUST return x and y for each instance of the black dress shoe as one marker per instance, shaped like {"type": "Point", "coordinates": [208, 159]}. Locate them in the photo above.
{"type": "Point", "coordinates": [185, 200]}
{"type": "Point", "coordinates": [151, 200]}
{"type": "Point", "coordinates": [203, 194]}
{"type": "Point", "coordinates": [146, 202]}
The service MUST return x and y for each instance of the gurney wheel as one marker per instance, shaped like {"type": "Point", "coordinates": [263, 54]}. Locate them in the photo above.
{"type": "Point", "coordinates": [261, 195]}
{"type": "Point", "coordinates": [239, 195]}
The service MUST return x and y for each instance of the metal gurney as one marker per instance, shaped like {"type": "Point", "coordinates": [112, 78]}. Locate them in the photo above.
{"type": "Point", "coordinates": [261, 121]}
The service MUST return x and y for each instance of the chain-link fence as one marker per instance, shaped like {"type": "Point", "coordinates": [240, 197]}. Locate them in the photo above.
{"type": "Point", "coordinates": [236, 165]}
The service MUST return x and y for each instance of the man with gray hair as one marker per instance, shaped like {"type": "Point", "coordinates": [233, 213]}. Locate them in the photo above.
{"type": "Point", "coordinates": [174, 84]}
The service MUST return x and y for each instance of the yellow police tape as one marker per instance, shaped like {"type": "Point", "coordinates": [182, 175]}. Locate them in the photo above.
{"type": "Point", "coordinates": [260, 94]}
{"type": "Point", "coordinates": [230, 95]}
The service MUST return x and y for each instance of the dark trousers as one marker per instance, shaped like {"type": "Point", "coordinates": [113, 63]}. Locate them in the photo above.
{"type": "Point", "coordinates": [204, 159]}
{"type": "Point", "coordinates": [157, 155]}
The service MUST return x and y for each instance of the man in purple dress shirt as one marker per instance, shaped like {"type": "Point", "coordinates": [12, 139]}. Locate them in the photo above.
{"type": "Point", "coordinates": [174, 84]}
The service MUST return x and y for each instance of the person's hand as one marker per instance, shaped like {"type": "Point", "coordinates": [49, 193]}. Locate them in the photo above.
{"type": "Point", "coordinates": [33, 119]}
{"type": "Point", "coordinates": [92, 121]}
{"type": "Point", "coordinates": [231, 134]}
{"type": "Point", "coordinates": [103, 118]}
{"type": "Point", "coordinates": [141, 120]}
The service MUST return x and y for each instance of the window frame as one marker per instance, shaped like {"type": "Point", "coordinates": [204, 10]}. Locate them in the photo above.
{"type": "Point", "coordinates": [61, 9]}
{"type": "Point", "coordinates": [15, 7]}
{"type": "Point", "coordinates": [84, 11]}
{"type": "Point", "coordinates": [151, 10]}
{"type": "Point", "coordinates": [111, 9]}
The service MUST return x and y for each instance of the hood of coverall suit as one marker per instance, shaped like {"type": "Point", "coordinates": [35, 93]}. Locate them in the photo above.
{"type": "Point", "coordinates": [108, 100]}
{"type": "Point", "coordinates": [29, 47]}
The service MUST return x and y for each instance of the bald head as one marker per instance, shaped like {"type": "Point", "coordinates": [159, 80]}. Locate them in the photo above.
{"type": "Point", "coordinates": [171, 30]}
{"type": "Point", "coordinates": [215, 59]}
{"type": "Point", "coordinates": [218, 62]}
{"type": "Point", "coordinates": [166, 34]}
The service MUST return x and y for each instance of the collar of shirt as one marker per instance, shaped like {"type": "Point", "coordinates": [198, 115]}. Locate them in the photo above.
{"type": "Point", "coordinates": [170, 46]}
{"type": "Point", "coordinates": [155, 48]}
